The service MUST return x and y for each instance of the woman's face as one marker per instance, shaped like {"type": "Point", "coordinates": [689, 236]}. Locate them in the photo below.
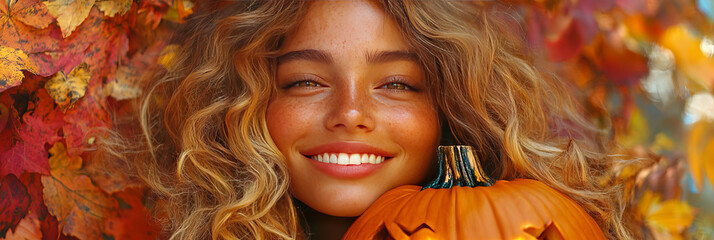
{"type": "Point", "coordinates": [352, 114]}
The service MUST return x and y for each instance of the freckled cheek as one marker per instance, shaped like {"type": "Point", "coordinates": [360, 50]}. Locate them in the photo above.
{"type": "Point", "coordinates": [415, 127]}
{"type": "Point", "coordinates": [288, 121]}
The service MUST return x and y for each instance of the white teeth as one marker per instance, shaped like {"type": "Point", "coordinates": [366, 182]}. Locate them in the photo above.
{"type": "Point", "coordinates": [348, 159]}
{"type": "Point", "coordinates": [355, 159]}
{"type": "Point", "coordinates": [343, 159]}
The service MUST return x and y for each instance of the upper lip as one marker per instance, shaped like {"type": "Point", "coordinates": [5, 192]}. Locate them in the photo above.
{"type": "Point", "coordinates": [346, 147]}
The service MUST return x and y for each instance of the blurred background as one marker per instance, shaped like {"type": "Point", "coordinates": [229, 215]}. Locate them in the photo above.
{"type": "Point", "coordinates": [643, 67]}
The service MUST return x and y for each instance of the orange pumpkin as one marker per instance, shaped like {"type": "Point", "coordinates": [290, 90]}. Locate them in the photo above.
{"type": "Point", "coordinates": [463, 203]}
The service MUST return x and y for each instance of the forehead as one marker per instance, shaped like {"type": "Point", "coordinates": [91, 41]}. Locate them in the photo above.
{"type": "Point", "coordinates": [345, 25]}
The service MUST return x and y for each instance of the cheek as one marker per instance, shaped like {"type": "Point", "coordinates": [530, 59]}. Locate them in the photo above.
{"type": "Point", "coordinates": [287, 121]}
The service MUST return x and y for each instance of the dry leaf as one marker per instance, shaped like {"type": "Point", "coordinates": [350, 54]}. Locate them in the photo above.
{"type": "Point", "coordinates": [71, 196]}
{"type": "Point", "coordinates": [69, 13]}
{"type": "Point", "coordinates": [112, 7]}
{"type": "Point", "coordinates": [27, 229]}
{"type": "Point", "coordinates": [12, 63]}
{"type": "Point", "coordinates": [67, 89]}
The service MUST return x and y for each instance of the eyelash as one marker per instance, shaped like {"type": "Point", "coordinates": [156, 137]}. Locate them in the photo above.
{"type": "Point", "coordinates": [400, 81]}
{"type": "Point", "coordinates": [392, 82]}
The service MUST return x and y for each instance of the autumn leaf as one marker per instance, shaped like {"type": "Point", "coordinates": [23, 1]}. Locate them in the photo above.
{"type": "Point", "coordinates": [689, 58]}
{"type": "Point", "coordinates": [89, 114]}
{"type": "Point", "coordinates": [67, 89]}
{"type": "Point", "coordinates": [27, 229]}
{"type": "Point", "coordinates": [14, 201]}
{"type": "Point", "coordinates": [12, 63]}
{"type": "Point", "coordinates": [23, 25]}
{"type": "Point", "coordinates": [112, 7]}
{"type": "Point", "coordinates": [69, 13]}
{"type": "Point", "coordinates": [71, 196]}
{"type": "Point", "coordinates": [700, 152]}
{"type": "Point", "coordinates": [168, 56]}
{"type": "Point", "coordinates": [29, 154]}
{"type": "Point", "coordinates": [73, 49]}
{"type": "Point", "coordinates": [134, 221]}
{"type": "Point", "coordinates": [668, 218]}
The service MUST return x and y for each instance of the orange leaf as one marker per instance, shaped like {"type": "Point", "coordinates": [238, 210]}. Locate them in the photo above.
{"type": "Point", "coordinates": [12, 62]}
{"type": "Point", "coordinates": [22, 26]}
{"type": "Point", "coordinates": [69, 13]}
{"type": "Point", "coordinates": [689, 57]}
{"type": "Point", "coordinates": [70, 196]}
{"type": "Point", "coordinates": [700, 152]}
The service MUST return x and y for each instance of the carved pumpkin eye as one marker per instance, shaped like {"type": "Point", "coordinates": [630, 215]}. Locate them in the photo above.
{"type": "Point", "coordinates": [464, 203]}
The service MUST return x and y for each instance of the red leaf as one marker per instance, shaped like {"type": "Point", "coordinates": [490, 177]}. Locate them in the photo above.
{"type": "Point", "coordinates": [14, 201]}
{"type": "Point", "coordinates": [567, 43]}
{"type": "Point", "coordinates": [88, 114]}
{"type": "Point", "coordinates": [29, 154]}
{"type": "Point", "coordinates": [134, 221]}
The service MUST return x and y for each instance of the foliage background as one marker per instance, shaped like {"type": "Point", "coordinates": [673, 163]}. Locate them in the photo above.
{"type": "Point", "coordinates": [68, 66]}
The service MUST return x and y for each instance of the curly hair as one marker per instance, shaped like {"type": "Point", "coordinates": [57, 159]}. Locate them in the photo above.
{"type": "Point", "coordinates": [205, 151]}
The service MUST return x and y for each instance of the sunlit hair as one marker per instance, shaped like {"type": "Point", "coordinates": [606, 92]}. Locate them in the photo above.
{"type": "Point", "coordinates": [205, 151]}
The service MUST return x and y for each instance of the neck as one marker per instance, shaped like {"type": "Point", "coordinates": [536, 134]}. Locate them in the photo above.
{"type": "Point", "coordinates": [320, 226]}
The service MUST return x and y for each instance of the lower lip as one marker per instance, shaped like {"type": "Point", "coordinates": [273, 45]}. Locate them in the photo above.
{"type": "Point", "coordinates": [347, 171]}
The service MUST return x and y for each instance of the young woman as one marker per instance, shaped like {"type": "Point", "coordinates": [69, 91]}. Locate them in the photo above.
{"type": "Point", "coordinates": [326, 105]}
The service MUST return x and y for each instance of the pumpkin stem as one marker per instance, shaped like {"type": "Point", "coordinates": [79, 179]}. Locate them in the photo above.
{"type": "Point", "coordinates": [458, 166]}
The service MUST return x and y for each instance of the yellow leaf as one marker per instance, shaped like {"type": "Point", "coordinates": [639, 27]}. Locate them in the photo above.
{"type": "Point", "coordinates": [700, 152]}
{"type": "Point", "coordinates": [67, 89]}
{"type": "Point", "coordinates": [689, 57]}
{"type": "Point", "coordinates": [69, 13]}
{"type": "Point", "coordinates": [12, 62]}
{"type": "Point", "coordinates": [112, 7]}
{"type": "Point", "coordinates": [168, 55]}
{"type": "Point", "coordinates": [672, 215]}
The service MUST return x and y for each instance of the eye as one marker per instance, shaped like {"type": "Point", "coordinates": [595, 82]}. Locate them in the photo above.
{"type": "Point", "coordinates": [397, 83]}
{"type": "Point", "coordinates": [396, 86]}
{"type": "Point", "coordinates": [304, 83]}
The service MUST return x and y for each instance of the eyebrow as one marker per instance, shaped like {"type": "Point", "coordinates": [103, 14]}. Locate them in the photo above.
{"type": "Point", "coordinates": [324, 57]}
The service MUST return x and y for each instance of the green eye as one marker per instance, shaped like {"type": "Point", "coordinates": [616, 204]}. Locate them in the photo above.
{"type": "Point", "coordinates": [396, 86]}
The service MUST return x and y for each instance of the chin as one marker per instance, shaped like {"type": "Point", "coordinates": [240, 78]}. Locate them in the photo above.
{"type": "Point", "coordinates": [340, 210]}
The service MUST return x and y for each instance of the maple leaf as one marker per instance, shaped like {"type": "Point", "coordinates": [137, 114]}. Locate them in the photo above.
{"type": "Point", "coordinates": [22, 24]}
{"type": "Point", "coordinates": [134, 221]}
{"type": "Point", "coordinates": [89, 114]}
{"type": "Point", "coordinates": [112, 7]}
{"type": "Point", "coordinates": [71, 196]}
{"type": "Point", "coordinates": [12, 63]}
{"type": "Point", "coordinates": [69, 13]}
{"type": "Point", "coordinates": [14, 201]}
{"type": "Point", "coordinates": [28, 154]}
{"type": "Point", "coordinates": [27, 229]}
{"type": "Point", "coordinates": [4, 116]}
{"type": "Point", "coordinates": [71, 51]}
{"type": "Point", "coordinates": [67, 89]}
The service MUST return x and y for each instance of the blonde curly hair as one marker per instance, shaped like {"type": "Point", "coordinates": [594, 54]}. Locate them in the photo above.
{"type": "Point", "coordinates": [204, 148]}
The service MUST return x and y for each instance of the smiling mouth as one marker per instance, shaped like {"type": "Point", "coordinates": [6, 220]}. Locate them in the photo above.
{"type": "Point", "coordinates": [349, 158]}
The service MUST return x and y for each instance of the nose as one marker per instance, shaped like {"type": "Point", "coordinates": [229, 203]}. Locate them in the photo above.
{"type": "Point", "coordinates": [350, 109]}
